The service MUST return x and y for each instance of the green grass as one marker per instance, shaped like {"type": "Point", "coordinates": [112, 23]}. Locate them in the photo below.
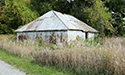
{"type": "Point", "coordinates": [27, 65]}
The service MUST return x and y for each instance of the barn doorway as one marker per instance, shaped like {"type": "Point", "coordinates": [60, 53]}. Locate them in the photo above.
{"type": "Point", "coordinates": [86, 35]}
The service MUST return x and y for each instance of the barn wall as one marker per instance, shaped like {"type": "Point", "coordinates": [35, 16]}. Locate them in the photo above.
{"type": "Point", "coordinates": [91, 36]}
{"type": "Point", "coordinates": [59, 37]}
{"type": "Point", "coordinates": [73, 34]}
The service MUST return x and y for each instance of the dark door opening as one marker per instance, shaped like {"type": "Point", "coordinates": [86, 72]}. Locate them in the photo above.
{"type": "Point", "coordinates": [86, 35]}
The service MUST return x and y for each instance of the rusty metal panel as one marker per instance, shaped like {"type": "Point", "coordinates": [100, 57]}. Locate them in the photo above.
{"type": "Point", "coordinates": [51, 24]}
{"type": "Point", "coordinates": [48, 21]}
{"type": "Point", "coordinates": [53, 20]}
{"type": "Point", "coordinates": [47, 37]}
{"type": "Point", "coordinates": [58, 37]}
{"type": "Point", "coordinates": [73, 23]}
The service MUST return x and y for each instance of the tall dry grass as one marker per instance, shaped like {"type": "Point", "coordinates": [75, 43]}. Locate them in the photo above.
{"type": "Point", "coordinates": [96, 60]}
{"type": "Point", "coordinates": [81, 58]}
{"type": "Point", "coordinates": [8, 42]}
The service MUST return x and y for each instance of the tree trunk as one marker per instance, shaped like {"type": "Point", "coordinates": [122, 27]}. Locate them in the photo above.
{"type": "Point", "coordinates": [102, 28]}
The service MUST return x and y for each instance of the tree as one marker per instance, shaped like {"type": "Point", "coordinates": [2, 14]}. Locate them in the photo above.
{"type": "Point", "coordinates": [16, 13]}
{"type": "Point", "coordinates": [41, 6]}
{"type": "Point", "coordinates": [98, 16]}
{"type": "Point", "coordinates": [96, 13]}
{"type": "Point", "coordinates": [117, 7]}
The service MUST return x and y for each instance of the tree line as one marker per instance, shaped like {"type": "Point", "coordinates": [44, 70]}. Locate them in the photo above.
{"type": "Point", "coordinates": [104, 15]}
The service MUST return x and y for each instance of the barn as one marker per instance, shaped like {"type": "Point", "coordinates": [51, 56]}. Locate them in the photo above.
{"type": "Point", "coordinates": [55, 27]}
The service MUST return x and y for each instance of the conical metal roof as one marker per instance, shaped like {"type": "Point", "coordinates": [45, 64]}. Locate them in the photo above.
{"type": "Point", "coordinates": [54, 20]}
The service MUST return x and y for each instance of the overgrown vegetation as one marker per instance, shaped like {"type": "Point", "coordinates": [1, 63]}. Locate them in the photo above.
{"type": "Point", "coordinates": [27, 65]}
{"type": "Point", "coordinates": [82, 57]}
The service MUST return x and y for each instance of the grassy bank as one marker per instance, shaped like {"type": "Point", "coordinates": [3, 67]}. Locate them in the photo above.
{"type": "Point", "coordinates": [88, 58]}
{"type": "Point", "coordinates": [27, 65]}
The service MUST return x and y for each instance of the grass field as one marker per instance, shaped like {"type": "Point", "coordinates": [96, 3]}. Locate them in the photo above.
{"type": "Point", "coordinates": [27, 65]}
{"type": "Point", "coordinates": [82, 57]}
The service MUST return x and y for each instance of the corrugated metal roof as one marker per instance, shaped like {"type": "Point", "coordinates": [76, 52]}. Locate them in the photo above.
{"type": "Point", "coordinates": [54, 20]}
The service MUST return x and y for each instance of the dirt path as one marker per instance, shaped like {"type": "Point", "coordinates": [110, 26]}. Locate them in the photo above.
{"type": "Point", "coordinates": [6, 69]}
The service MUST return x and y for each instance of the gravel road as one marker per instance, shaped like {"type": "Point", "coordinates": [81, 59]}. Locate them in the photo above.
{"type": "Point", "coordinates": [6, 69]}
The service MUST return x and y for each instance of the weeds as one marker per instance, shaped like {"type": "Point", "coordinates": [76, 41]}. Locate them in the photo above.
{"type": "Point", "coordinates": [83, 57]}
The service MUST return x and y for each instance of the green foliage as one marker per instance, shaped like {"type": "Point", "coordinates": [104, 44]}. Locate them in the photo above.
{"type": "Point", "coordinates": [16, 13]}
{"type": "Point", "coordinates": [27, 65]}
{"type": "Point", "coordinates": [41, 6]}
{"type": "Point", "coordinates": [96, 13]}
{"type": "Point", "coordinates": [99, 17]}
{"type": "Point", "coordinates": [117, 7]}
